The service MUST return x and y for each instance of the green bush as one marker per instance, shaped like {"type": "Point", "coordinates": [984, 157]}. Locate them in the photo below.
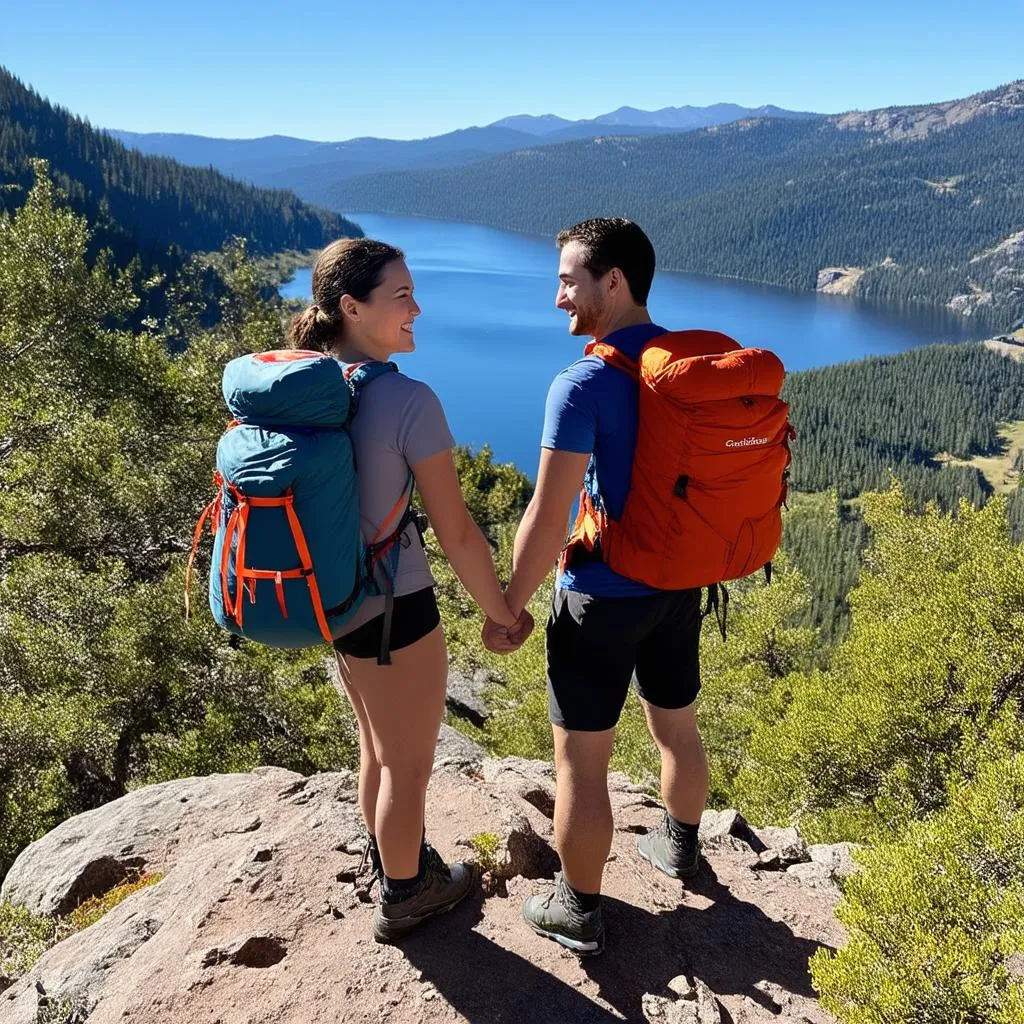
{"type": "Point", "coordinates": [107, 440]}
{"type": "Point", "coordinates": [927, 680]}
{"type": "Point", "coordinates": [936, 916]}
{"type": "Point", "coordinates": [24, 938]}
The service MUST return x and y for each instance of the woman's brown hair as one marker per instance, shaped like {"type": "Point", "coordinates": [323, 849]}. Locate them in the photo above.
{"type": "Point", "coordinates": [349, 266]}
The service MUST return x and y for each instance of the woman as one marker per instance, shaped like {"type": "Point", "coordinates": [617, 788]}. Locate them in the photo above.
{"type": "Point", "coordinates": [364, 309]}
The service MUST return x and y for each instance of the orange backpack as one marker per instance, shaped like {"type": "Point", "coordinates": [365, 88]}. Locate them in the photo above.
{"type": "Point", "coordinates": [709, 470]}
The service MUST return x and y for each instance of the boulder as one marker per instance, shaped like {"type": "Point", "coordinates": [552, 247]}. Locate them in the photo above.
{"type": "Point", "coordinates": [454, 750]}
{"type": "Point", "coordinates": [815, 875]}
{"type": "Point", "coordinates": [719, 826]}
{"type": "Point", "coordinates": [837, 858]}
{"type": "Point", "coordinates": [144, 831]}
{"type": "Point", "coordinates": [465, 695]}
{"type": "Point", "coordinates": [779, 847]}
{"type": "Point", "coordinates": [263, 914]}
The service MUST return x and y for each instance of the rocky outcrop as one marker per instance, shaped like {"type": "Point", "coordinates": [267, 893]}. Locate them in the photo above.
{"type": "Point", "coordinates": [838, 280]}
{"type": "Point", "coordinates": [968, 303]}
{"type": "Point", "coordinates": [920, 121]}
{"type": "Point", "coordinates": [465, 697]}
{"type": "Point", "coordinates": [262, 914]}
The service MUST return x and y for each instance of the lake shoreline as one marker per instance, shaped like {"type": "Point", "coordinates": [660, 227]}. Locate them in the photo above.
{"type": "Point", "coordinates": [490, 340]}
{"type": "Point", "coordinates": [843, 296]}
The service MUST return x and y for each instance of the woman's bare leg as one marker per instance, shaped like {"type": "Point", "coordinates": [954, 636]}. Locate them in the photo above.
{"type": "Point", "coordinates": [403, 704]}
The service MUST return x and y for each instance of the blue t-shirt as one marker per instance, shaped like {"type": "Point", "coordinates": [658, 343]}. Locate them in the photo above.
{"type": "Point", "coordinates": [593, 408]}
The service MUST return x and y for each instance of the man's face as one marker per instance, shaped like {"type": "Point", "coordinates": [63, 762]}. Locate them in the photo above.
{"type": "Point", "coordinates": [580, 294]}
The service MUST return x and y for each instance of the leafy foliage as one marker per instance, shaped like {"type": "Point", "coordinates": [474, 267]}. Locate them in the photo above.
{"type": "Point", "coordinates": [927, 682]}
{"type": "Point", "coordinates": [107, 437]}
{"type": "Point", "coordinates": [96, 907]}
{"type": "Point", "coordinates": [937, 917]}
{"type": "Point", "coordinates": [24, 937]}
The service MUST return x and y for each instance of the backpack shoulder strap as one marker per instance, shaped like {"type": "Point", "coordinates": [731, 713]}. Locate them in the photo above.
{"type": "Point", "coordinates": [614, 357]}
{"type": "Point", "coordinates": [360, 374]}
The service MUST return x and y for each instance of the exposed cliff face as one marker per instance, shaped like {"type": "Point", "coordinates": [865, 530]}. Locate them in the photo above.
{"type": "Point", "coordinates": [919, 121]}
{"type": "Point", "coordinates": [263, 915]}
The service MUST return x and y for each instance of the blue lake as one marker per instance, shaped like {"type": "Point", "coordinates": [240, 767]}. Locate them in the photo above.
{"type": "Point", "coordinates": [490, 339]}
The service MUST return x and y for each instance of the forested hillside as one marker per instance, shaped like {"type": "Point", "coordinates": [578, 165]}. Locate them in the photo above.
{"type": "Point", "coordinates": [140, 206]}
{"type": "Point", "coordinates": [930, 219]}
{"type": "Point", "coordinates": [860, 422]}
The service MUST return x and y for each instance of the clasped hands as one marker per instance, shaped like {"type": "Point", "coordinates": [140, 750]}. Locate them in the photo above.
{"type": "Point", "coordinates": [505, 639]}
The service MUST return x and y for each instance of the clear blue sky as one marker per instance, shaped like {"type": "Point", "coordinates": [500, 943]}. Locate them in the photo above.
{"type": "Point", "coordinates": [332, 69]}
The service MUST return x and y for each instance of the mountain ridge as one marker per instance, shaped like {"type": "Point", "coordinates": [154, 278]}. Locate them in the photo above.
{"type": "Point", "coordinates": [923, 204]}
{"type": "Point", "coordinates": [139, 204]}
{"type": "Point", "coordinates": [305, 165]}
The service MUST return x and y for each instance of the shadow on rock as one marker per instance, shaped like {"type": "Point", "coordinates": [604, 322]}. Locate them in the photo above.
{"type": "Point", "coordinates": [731, 946]}
{"type": "Point", "coordinates": [488, 984]}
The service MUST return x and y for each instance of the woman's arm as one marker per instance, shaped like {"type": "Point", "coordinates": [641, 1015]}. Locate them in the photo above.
{"type": "Point", "coordinates": [459, 536]}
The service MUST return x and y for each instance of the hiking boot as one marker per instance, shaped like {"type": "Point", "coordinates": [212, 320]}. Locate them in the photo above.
{"type": "Point", "coordinates": [670, 851]}
{"type": "Point", "coordinates": [555, 917]}
{"type": "Point", "coordinates": [441, 887]}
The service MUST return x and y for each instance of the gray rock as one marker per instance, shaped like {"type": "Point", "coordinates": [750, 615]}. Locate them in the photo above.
{"type": "Point", "coordinates": [1015, 966]}
{"type": "Point", "coordinates": [465, 696]}
{"type": "Point", "coordinates": [659, 1010]}
{"type": "Point", "coordinates": [708, 1010]}
{"type": "Point", "coordinates": [521, 851]}
{"type": "Point", "coordinates": [781, 997]}
{"type": "Point", "coordinates": [682, 987]}
{"type": "Point", "coordinates": [457, 751]}
{"type": "Point", "coordinates": [698, 1007]}
{"type": "Point", "coordinates": [514, 771]}
{"type": "Point", "coordinates": [816, 875]}
{"type": "Point", "coordinates": [836, 857]}
{"type": "Point", "coordinates": [785, 842]}
{"type": "Point", "coordinates": [717, 826]}
{"type": "Point", "coordinates": [91, 853]}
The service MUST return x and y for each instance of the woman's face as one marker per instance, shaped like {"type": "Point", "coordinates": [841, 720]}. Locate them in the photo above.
{"type": "Point", "coordinates": [385, 320]}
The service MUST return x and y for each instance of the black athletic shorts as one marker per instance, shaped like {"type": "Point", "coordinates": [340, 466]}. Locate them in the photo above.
{"type": "Point", "coordinates": [414, 616]}
{"type": "Point", "coordinates": [595, 646]}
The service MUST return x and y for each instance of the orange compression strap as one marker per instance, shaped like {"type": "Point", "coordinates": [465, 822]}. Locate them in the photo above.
{"type": "Point", "coordinates": [590, 523]}
{"type": "Point", "coordinates": [212, 513]}
{"type": "Point", "coordinates": [394, 515]}
{"type": "Point", "coordinates": [307, 566]}
{"type": "Point", "coordinates": [246, 576]}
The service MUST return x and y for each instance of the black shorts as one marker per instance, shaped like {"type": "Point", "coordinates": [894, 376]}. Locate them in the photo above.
{"type": "Point", "coordinates": [595, 646]}
{"type": "Point", "coordinates": [414, 616]}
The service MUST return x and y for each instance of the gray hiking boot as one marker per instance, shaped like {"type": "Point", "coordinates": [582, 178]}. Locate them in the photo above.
{"type": "Point", "coordinates": [670, 852]}
{"type": "Point", "coordinates": [554, 917]}
{"type": "Point", "coordinates": [443, 885]}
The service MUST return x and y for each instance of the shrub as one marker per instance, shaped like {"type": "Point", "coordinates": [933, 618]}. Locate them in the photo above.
{"type": "Point", "coordinates": [936, 919]}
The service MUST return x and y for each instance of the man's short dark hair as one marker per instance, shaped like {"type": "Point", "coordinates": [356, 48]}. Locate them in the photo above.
{"type": "Point", "coordinates": [615, 242]}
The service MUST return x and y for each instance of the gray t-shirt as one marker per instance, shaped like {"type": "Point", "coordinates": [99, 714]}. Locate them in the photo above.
{"type": "Point", "coordinates": [400, 422]}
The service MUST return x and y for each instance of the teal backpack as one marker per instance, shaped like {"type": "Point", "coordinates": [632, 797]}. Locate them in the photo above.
{"type": "Point", "coordinates": [289, 565]}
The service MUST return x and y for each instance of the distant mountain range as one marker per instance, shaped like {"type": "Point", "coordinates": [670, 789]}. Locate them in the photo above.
{"type": "Point", "coordinates": [312, 168]}
{"type": "Point", "coordinates": [921, 205]}
{"type": "Point", "coordinates": [672, 119]}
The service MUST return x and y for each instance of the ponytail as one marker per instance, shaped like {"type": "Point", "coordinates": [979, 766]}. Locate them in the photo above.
{"type": "Point", "coordinates": [313, 330]}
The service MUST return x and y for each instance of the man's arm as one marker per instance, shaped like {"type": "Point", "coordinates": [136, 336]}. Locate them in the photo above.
{"type": "Point", "coordinates": [542, 531]}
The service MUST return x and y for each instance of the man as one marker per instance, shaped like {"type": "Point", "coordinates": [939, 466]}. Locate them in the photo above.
{"type": "Point", "coordinates": [604, 628]}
